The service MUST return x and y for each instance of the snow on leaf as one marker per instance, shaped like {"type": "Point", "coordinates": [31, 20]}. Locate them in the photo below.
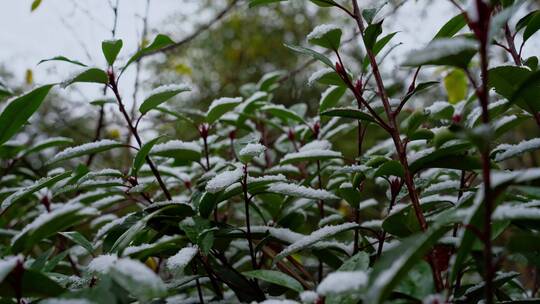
{"type": "Point", "coordinates": [138, 279]}
{"type": "Point", "coordinates": [510, 212]}
{"type": "Point", "coordinates": [84, 149]}
{"type": "Point", "coordinates": [300, 191]}
{"type": "Point", "coordinates": [342, 282]}
{"type": "Point", "coordinates": [102, 263]}
{"type": "Point", "coordinates": [251, 150]}
{"type": "Point", "coordinates": [180, 260]}
{"type": "Point", "coordinates": [224, 180]}
{"type": "Point", "coordinates": [506, 151]}
{"type": "Point", "coordinates": [320, 30]}
{"type": "Point", "coordinates": [315, 237]}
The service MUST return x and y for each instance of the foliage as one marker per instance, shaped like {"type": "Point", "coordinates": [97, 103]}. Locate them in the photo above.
{"type": "Point", "coordinates": [263, 205]}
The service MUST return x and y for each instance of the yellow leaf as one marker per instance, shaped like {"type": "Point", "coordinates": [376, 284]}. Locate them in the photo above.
{"type": "Point", "coordinates": [29, 77]}
{"type": "Point", "coordinates": [456, 84]}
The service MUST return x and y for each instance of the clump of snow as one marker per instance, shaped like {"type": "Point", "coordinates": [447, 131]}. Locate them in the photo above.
{"type": "Point", "coordinates": [224, 180]}
{"type": "Point", "coordinates": [301, 191]}
{"type": "Point", "coordinates": [318, 75]}
{"type": "Point", "coordinates": [79, 150]}
{"type": "Point", "coordinates": [342, 281]}
{"type": "Point", "coordinates": [320, 30]}
{"type": "Point", "coordinates": [509, 151]}
{"type": "Point", "coordinates": [102, 263]}
{"type": "Point", "coordinates": [252, 150]}
{"type": "Point", "coordinates": [169, 88]}
{"type": "Point", "coordinates": [178, 261]}
{"type": "Point", "coordinates": [176, 145]}
{"type": "Point", "coordinates": [309, 296]}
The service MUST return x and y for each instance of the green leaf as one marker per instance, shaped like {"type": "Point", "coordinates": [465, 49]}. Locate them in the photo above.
{"type": "Point", "coordinates": [47, 143]}
{"type": "Point", "coordinates": [325, 3]}
{"type": "Point", "coordinates": [275, 277]}
{"type": "Point", "coordinates": [310, 156]}
{"type": "Point", "coordinates": [326, 76]}
{"type": "Point", "coordinates": [92, 75]}
{"type": "Point", "coordinates": [309, 240]}
{"type": "Point", "coordinates": [456, 52]}
{"type": "Point", "coordinates": [532, 27]}
{"type": "Point", "coordinates": [395, 264]}
{"type": "Point", "coordinates": [33, 284]}
{"type": "Point", "coordinates": [456, 86]}
{"type": "Point", "coordinates": [62, 58]}
{"type": "Point", "coordinates": [452, 27]}
{"type": "Point", "coordinates": [161, 95]}
{"type": "Point", "coordinates": [26, 192]}
{"type": "Point", "coordinates": [419, 88]}
{"type": "Point", "coordinates": [528, 93]}
{"type": "Point", "coordinates": [390, 168]}
{"type": "Point", "coordinates": [254, 3]}
{"type": "Point", "coordinates": [161, 41]}
{"type": "Point", "coordinates": [358, 262]}
{"type": "Point", "coordinates": [141, 155]}
{"type": "Point", "coordinates": [348, 113]}
{"type": "Point", "coordinates": [377, 48]}
{"type": "Point", "coordinates": [48, 224]}
{"type": "Point", "coordinates": [331, 97]}
{"type": "Point", "coordinates": [179, 150]}
{"type": "Point", "coordinates": [79, 239]}
{"type": "Point", "coordinates": [19, 110]}
{"type": "Point", "coordinates": [371, 33]}
{"type": "Point", "coordinates": [349, 194]}
{"type": "Point", "coordinates": [85, 149]}
{"type": "Point", "coordinates": [282, 113]}
{"type": "Point", "coordinates": [35, 5]}
{"type": "Point", "coordinates": [316, 55]}
{"type": "Point", "coordinates": [110, 49]}
{"type": "Point", "coordinates": [138, 280]}
{"type": "Point", "coordinates": [522, 23]}
{"type": "Point", "coordinates": [220, 107]}
{"type": "Point", "coordinates": [327, 36]}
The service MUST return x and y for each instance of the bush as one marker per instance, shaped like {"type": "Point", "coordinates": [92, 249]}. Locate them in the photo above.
{"type": "Point", "coordinates": [262, 206]}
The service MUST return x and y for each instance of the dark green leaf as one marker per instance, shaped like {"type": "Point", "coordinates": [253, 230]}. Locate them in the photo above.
{"type": "Point", "coordinates": [312, 53]}
{"type": "Point", "coordinates": [110, 49]}
{"type": "Point", "coordinates": [348, 113]}
{"type": "Point", "coordinates": [162, 95]}
{"type": "Point", "coordinates": [275, 277]}
{"type": "Point", "coordinates": [62, 58]}
{"type": "Point", "coordinates": [19, 110]}
{"type": "Point", "coordinates": [92, 75]}
{"type": "Point", "coordinates": [452, 27]}
{"type": "Point", "coordinates": [79, 239]}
